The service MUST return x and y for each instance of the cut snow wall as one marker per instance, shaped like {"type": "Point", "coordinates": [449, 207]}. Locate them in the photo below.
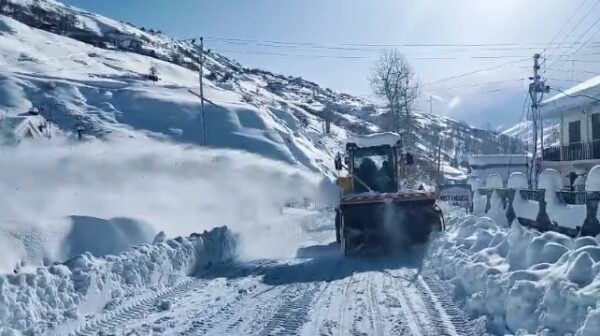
{"type": "Point", "coordinates": [521, 279]}
{"type": "Point", "coordinates": [33, 303]}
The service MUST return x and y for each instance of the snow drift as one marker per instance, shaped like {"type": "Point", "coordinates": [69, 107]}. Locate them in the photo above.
{"type": "Point", "coordinates": [173, 188]}
{"type": "Point", "coordinates": [523, 281]}
{"type": "Point", "coordinates": [83, 285]}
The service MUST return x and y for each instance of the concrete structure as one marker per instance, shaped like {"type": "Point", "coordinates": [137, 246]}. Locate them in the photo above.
{"type": "Point", "coordinates": [578, 112]}
{"type": "Point", "coordinates": [482, 166]}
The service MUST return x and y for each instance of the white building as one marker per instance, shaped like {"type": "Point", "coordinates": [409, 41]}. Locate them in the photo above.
{"type": "Point", "coordinates": [579, 115]}
{"type": "Point", "coordinates": [482, 166]}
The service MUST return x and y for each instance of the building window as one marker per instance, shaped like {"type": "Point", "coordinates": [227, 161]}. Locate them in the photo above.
{"type": "Point", "coordinates": [596, 126]}
{"type": "Point", "coordinates": [574, 132]}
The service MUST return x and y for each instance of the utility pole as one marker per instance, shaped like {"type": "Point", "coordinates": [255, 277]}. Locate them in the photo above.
{"type": "Point", "coordinates": [536, 91]}
{"type": "Point", "coordinates": [438, 152]}
{"type": "Point", "coordinates": [430, 105]}
{"type": "Point", "coordinates": [200, 75]}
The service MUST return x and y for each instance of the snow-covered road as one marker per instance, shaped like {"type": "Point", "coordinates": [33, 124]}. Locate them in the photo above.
{"type": "Point", "coordinates": [322, 295]}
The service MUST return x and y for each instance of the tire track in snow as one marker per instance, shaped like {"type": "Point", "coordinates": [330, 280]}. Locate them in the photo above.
{"type": "Point", "coordinates": [410, 317]}
{"type": "Point", "coordinates": [138, 309]}
{"type": "Point", "coordinates": [343, 325]}
{"type": "Point", "coordinates": [329, 309]}
{"type": "Point", "coordinates": [292, 314]}
{"type": "Point", "coordinates": [425, 312]}
{"type": "Point", "coordinates": [452, 317]}
{"type": "Point", "coordinates": [215, 318]}
{"type": "Point", "coordinates": [376, 319]}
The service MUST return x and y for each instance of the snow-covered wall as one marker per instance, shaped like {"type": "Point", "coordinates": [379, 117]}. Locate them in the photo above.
{"type": "Point", "coordinates": [33, 303]}
{"type": "Point", "coordinates": [523, 281]}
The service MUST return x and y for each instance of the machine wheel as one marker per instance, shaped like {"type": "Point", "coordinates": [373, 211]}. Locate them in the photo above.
{"type": "Point", "coordinates": [344, 240]}
{"type": "Point", "coordinates": [337, 226]}
{"type": "Point", "coordinates": [345, 244]}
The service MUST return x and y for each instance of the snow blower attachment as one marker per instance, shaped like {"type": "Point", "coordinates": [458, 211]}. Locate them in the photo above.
{"type": "Point", "coordinates": [374, 214]}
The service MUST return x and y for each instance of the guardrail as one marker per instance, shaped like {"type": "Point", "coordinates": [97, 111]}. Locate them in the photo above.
{"type": "Point", "coordinates": [542, 222]}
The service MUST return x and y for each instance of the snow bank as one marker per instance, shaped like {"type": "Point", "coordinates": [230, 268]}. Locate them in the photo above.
{"type": "Point", "coordinates": [83, 285]}
{"type": "Point", "coordinates": [523, 281]}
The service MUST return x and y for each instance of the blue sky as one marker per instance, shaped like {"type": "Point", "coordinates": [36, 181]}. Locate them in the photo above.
{"type": "Point", "coordinates": [334, 22]}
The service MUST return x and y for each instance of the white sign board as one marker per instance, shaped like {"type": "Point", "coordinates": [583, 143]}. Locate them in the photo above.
{"type": "Point", "coordinates": [456, 194]}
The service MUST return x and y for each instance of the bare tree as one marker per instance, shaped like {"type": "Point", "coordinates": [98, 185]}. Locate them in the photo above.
{"type": "Point", "coordinates": [393, 79]}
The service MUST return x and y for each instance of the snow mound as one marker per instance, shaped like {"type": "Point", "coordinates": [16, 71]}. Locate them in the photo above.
{"type": "Point", "coordinates": [102, 237]}
{"type": "Point", "coordinates": [25, 246]}
{"type": "Point", "coordinates": [84, 284]}
{"type": "Point", "coordinates": [523, 281]}
{"type": "Point", "coordinates": [517, 180]}
{"type": "Point", "coordinates": [377, 139]}
{"type": "Point", "coordinates": [494, 181]}
{"type": "Point", "coordinates": [592, 182]}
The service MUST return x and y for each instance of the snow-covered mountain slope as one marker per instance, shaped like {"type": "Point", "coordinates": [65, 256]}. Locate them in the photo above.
{"type": "Point", "coordinates": [88, 72]}
{"type": "Point", "coordinates": [524, 131]}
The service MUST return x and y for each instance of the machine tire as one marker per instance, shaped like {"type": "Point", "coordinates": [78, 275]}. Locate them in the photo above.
{"type": "Point", "coordinates": [345, 247]}
{"type": "Point", "coordinates": [344, 240]}
{"type": "Point", "coordinates": [337, 226]}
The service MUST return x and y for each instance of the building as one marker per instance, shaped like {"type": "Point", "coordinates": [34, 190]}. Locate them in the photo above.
{"type": "Point", "coordinates": [482, 166]}
{"type": "Point", "coordinates": [15, 128]}
{"type": "Point", "coordinates": [578, 113]}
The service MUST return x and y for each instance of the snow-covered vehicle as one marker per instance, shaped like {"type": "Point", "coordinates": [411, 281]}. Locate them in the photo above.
{"type": "Point", "coordinates": [374, 213]}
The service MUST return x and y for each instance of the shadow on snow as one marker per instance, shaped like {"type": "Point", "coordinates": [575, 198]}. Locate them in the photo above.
{"type": "Point", "coordinates": [315, 263]}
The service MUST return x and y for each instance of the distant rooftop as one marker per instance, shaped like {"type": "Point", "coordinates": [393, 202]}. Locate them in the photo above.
{"type": "Point", "coordinates": [573, 97]}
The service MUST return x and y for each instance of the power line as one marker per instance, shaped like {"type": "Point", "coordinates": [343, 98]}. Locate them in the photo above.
{"type": "Point", "coordinates": [372, 45]}
{"type": "Point", "coordinates": [269, 53]}
{"type": "Point", "coordinates": [585, 61]}
{"type": "Point", "coordinates": [580, 38]}
{"type": "Point", "coordinates": [565, 25]}
{"type": "Point", "coordinates": [475, 72]}
{"type": "Point", "coordinates": [575, 96]}
{"type": "Point", "coordinates": [485, 83]}
{"type": "Point", "coordinates": [292, 45]}
{"type": "Point", "coordinates": [563, 80]}
{"type": "Point", "coordinates": [484, 92]}
{"type": "Point", "coordinates": [577, 26]}
{"type": "Point", "coordinates": [272, 53]}
{"type": "Point", "coordinates": [590, 37]}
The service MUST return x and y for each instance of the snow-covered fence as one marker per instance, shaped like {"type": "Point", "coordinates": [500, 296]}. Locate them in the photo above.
{"type": "Point", "coordinates": [36, 302]}
{"type": "Point", "coordinates": [546, 209]}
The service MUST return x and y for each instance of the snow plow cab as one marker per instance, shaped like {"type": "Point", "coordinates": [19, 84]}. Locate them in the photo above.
{"type": "Point", "coordinates": [374, 213]}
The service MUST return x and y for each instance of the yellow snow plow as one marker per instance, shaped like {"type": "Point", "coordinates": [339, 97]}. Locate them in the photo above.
{"type": "Point", "coordinates": [374, 213]}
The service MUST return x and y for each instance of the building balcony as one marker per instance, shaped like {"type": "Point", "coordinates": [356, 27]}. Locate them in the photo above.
{"type": "Point", "coordinates": [573, 152]}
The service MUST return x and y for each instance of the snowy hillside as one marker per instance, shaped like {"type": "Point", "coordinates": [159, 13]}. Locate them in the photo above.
{"type": "Point", "coordinates": [88, 72]}
{"type": "Point", "coordinates": [524, 131]}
